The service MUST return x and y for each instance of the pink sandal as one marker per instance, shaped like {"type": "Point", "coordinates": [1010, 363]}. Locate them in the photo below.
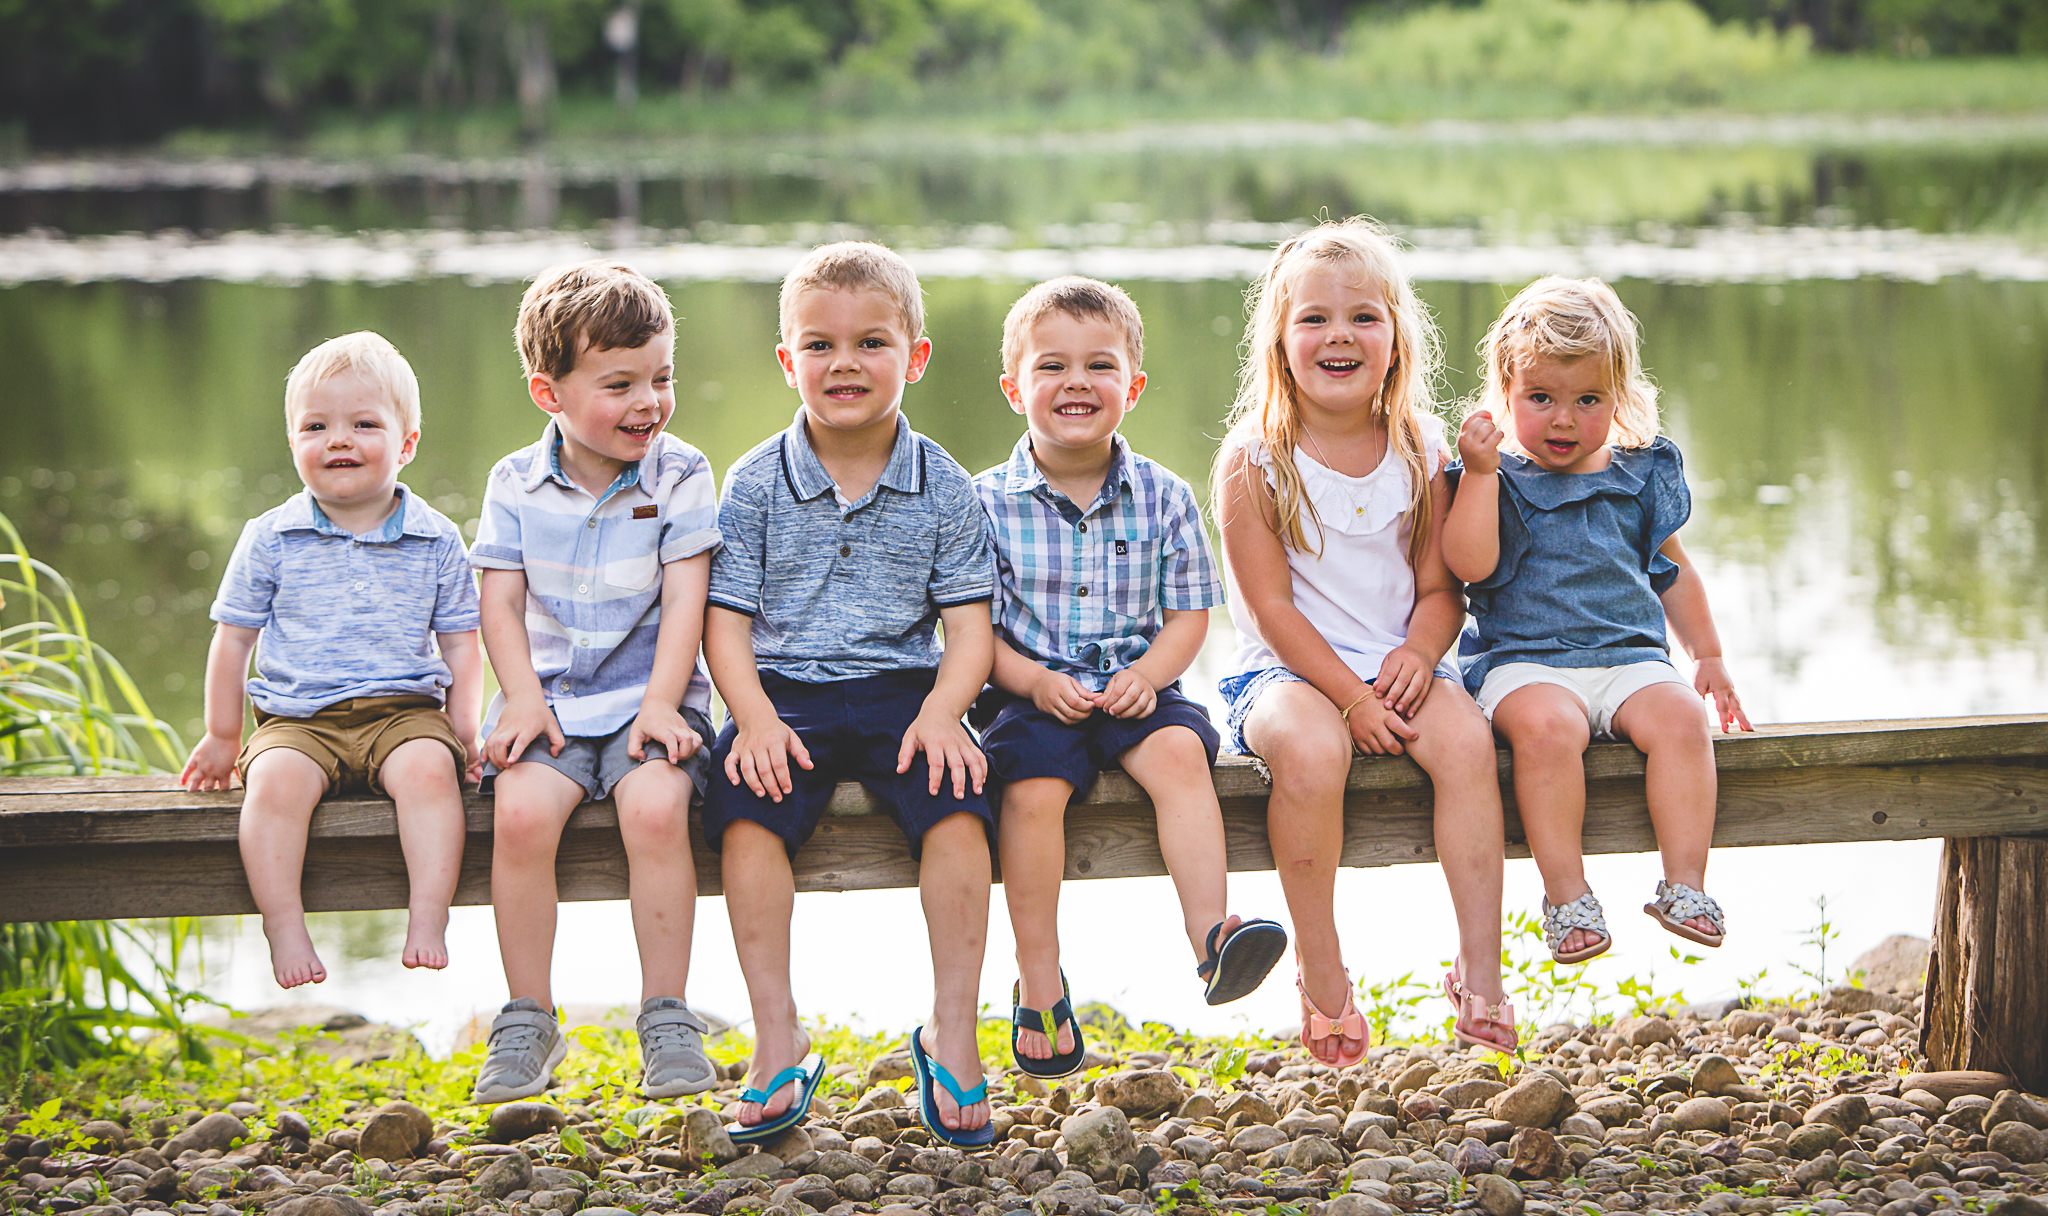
{"type": "Point", "coordinates": [1318, 1027]}
{"type": "Point", "coordinates": [1501, 1015]}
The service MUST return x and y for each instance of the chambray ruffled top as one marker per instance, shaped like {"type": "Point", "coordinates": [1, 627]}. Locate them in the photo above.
{"type": "Point", "coordinates": [1579, 571]}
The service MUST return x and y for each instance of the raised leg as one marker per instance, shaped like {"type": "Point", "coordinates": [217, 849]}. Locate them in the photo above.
{"type": "Point", "coordinates": [281, 789]}
{"type": "Point", "coordinates": [654, 822]}
{"type": "Point", "coordinates": [425, 785]}
{"type": "Point", "coordinates": [1546, 727]}
{"type": "Point", "coordinates": [532, 803]}
{"type": "Point", "coordinates": [953, 883]}
{"type": "Point", "coordinates": [1031, 834]}
{"type": "Point", "coordinates": [1669, 725]}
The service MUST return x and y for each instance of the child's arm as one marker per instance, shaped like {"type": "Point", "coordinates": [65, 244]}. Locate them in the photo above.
{"type": "Point", "coordinates": [1134, 691]}
{"type": "Point", "coordinates": [1062, 696]}
{"type": "Point", "coordinates": [465, 694]}
{"type": "Point", "coordinates": [683, 584]}
{"type": "Point", "coordinates": [963, 669]}
{"type": "Point", "coordinates": [763, 743]}
{"type": "Point", "coordinates": [212, 763]}
{"type": "Point", "coordinates": [1258, 562]}
{"type": "Point", "coordinates": [1472, 533]}
{"type": "Point", "coordinates": [1685, 606]}
{"type": "Point", "coordinates": [1409, 670]}
{"type": "Point", "coordinates": [526, 717]}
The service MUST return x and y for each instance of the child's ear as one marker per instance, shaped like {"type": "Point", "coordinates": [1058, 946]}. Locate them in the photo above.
{"type": "Point", "coordinates": [409, 449]}
{"type": "Point", "coordinates": [1137, 388]}
{"type": "Point", "coordinates": [788, 363]}
{"type": "Point", "coordinates": [920, 356]}
{"type": "Point", "coordinates": [1011, 393]}
{"type": "Point", "coordinates": [541, 387]}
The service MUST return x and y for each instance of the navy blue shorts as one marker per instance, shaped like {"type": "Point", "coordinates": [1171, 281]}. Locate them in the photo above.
{"type": "Point", "coordinates": [853, 730]}
{"type": "Point", "coordinates": [1023, 741]}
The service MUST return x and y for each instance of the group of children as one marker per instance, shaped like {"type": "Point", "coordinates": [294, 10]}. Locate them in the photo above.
{"type": "Point", "coordinates": [1071, 586]}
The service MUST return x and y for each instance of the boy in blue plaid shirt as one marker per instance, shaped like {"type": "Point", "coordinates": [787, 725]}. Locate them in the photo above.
{"type": "Point", "coordinates": [1099, 608]}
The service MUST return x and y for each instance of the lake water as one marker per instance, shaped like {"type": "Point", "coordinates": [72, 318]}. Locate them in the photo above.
{"type": "Point", "coordinates": [1849, 321]}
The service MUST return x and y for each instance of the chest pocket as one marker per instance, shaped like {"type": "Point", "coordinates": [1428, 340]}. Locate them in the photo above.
{"type": "Point", "coordinates": [1133, 575]}
{"type": "Point", "coordinates": [634, 573]}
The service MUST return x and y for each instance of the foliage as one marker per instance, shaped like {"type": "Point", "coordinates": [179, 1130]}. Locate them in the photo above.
{"type": "Point", "coordinates": [1823, 934]}
{"type": "Point", "coordinates": [68, 992]}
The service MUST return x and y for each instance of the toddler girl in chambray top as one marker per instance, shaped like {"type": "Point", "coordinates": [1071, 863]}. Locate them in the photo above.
{"type": "Point", "coordinates": [1568, 543]}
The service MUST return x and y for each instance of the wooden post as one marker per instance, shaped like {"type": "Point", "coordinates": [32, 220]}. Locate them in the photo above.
{"type": "Point", "coordinates": [1987, 971]}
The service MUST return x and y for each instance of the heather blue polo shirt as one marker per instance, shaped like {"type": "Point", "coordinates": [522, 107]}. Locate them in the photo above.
{"type": "Point", "coordinates": [843, 591]}
{"type": "Point", "coordinates": [346, 615]}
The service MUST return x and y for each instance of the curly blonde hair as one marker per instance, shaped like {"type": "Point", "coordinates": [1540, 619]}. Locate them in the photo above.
{"type": "Point", "coordinates": [1267, 410]}
{"type": "Point", "coordinates": [1566, 320]}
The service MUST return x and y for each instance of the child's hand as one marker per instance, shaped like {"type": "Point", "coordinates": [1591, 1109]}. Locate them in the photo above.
{"type": "Point", "coordinates": [1129, 695]}
{"type": "Point", "coordinates": [1377, 730]}
{"type": "Point", "coordinates": [521, 723]}
{"type": "Point", "coordinates": [1404, 681]}
{"type": "Point", "coordinates": [949, 749]}
{"type": "Point", "coordinates": [1710, 679]}
{"type": "Point", "coordinates": [663, 724]}
{"type": "Point", "coordinates": [1062, 696]}
{"type": "Point", "coordinates": [1479, 442]}
{"type": "Point", "coordinates": [760, 756]}
{"type": "Point", "coordinates": [212, 764]}
{"type": "Point", "coordinates": [473, 761]}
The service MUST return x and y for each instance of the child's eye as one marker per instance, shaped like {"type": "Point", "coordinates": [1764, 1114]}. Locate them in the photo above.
{"type": "Point", "coordinates": [1052, 366]}
{"type": "Point", "coordinates": [619, 385]}
{"type": "Point", "coordinates": [1313, 318]}
{"type": "Point", "coordinates": [1364, 318]}
{"type": "Point", "coordinates": [1102, 366]}
{"type": "Point", "coordinates": [368, 424]}
{"type": "Point", "coordinates": [872, 343]}
{"type": "Point", "coordinates": [314, 426]}
{"type": "Point", "coordinates": [1589, 400]}
{"type": "Point", "coordinates": [1540, 397]}
{"type": "Point", "coordinates": [817, 344]}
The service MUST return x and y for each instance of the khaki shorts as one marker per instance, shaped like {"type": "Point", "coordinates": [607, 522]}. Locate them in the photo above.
{"type": "Point", "coordinates": [351, 740]}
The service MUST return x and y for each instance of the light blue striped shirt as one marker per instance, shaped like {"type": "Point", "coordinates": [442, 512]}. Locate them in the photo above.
{"type": "Point", "coordinates": [346, 615]}
{"type": "Point", "coordinates": [843, 591]}
{"type": "Point", "coordinates": [593, 572]}
{"type": "Point", "coordinates": [1084, 592]}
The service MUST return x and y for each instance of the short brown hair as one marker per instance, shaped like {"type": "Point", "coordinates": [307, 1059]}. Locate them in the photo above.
{"type": "Point", "coordinates": [1079, 298]}
{"type": "Point", "coordinates": [856, 266]}
{"type": "Point", "coordinates": [604, 304]}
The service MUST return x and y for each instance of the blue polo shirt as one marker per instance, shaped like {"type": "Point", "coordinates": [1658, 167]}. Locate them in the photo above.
{"type": "Point", "coordinates": [346, 615]}
{"type": "Point", "coordinates": [844, 590]}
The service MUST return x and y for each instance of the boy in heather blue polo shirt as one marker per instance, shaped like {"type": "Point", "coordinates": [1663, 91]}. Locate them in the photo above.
{"type": "Point", "coordinates": [595, 547]}
{"type": "Point", "coordinates": [367, 616]}
{"type": "Point", "coordinates": [847, 539]}
{"type": "Point", "coordinates": [1099, 609]}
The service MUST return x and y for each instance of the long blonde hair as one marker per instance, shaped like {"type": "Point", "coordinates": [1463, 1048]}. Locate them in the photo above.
{"type": "Point", "coordinates": [1569, 319]}
{"type": "Point", "coordinates": [1267, 411]}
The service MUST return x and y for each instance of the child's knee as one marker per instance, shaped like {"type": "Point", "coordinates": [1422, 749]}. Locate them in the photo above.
{"type": "Point", "coordinates": [420, 766]}
{"type": "Point", "coordinates": [655, 815]}
{"type": "Point", "coordinates": [1177, 746]}
{"type": "Point", "coordinates": [1312, 758]}
{"type": "Point", "coordinates": [1550, 730]}
{"type": "Point", "coordinates": [1037, 799]}
{"type": "Point", "coordinates": [283, 773]}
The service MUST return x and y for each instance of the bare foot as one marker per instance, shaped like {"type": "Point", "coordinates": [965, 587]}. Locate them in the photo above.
{"type": "Point", "coordinates": [766, 1063]}
{"type": "Point", "coordinates": [292, 957]}
{"type": "Point", "coordinates": [957, 1051]}
{"type": "Point", "coordinates": [1042, 990]}
{"type": "Point", "coordinates": [426, 939]}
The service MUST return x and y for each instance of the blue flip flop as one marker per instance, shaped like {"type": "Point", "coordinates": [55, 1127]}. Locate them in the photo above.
{"type": "Point", "coordinates": [808, 1075]}
{"type": "Point", "coordinates": [930, 1070]}
{"type": "Point", "coordinates": [1242, 962]}
{"type": "Point", "coordinates": [1053, 1067]}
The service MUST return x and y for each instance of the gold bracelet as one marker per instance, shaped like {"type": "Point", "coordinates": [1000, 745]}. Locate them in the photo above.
{"type": "Point", "coordinates": [1345, 713]}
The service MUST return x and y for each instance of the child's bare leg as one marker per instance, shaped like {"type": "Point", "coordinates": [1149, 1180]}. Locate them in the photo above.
{"type": "Point", "coordinates": [1172, 767]}
{"type": "Point", "coordinates": [1669, 724]}
{"type": "Point", "coordinates": [952, 883]}
{"type": "Point", "coordinates": [1031, 833]}
{"type": "Point", "coordinates": [532, 803]}
{"type": "Point", "coordinates": [421, 777]}
{"type": "Point", "coordinates": [1455, 747]}
{"type": "Point", "coordinates": [1305, 744]}
{"type": "Point", "coordinates": [280, 791]}
{"type": "Point", "coordinates": [661, 882]}
{"type": "Point", "coordinates": [760, 895]}
{"type": "Point", "coordinates": [1547, 728]}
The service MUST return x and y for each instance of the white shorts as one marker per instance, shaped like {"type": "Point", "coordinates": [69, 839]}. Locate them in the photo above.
{"type": "Point", "coordinates": [1602, 690]}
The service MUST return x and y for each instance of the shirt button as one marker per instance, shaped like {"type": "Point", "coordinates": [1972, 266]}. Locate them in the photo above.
{"type": "Point", "coordinates": [590, 523]}
{"type": "Point", "coordinates": [1084, 525]}
{"type": "Point", "coordinates": [1083, 592]}
{"type": "Point", "coordinates": [583, 642]}
{"type": "Point", "coordinates": [1105, 664]}
{"type": "Point", "coordinates": [846, 550]}
{"type": "Point", "coordinates": [359, 586]}
{"type": "Point", "coordinates": [582, 588]}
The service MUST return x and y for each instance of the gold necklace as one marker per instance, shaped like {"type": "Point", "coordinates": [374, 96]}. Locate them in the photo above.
{"type": "Point", "coordinates": [1343, 486]}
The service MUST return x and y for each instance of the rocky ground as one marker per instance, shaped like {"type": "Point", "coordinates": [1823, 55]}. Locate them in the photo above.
{"type": "Point", "coordinates": [1777, 1109]}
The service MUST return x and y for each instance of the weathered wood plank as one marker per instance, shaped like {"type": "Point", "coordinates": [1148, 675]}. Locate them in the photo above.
{"type": "Point", "coordinates": [1987, 992]}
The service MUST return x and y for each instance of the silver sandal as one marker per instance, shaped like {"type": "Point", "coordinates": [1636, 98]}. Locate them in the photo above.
{"type": "Point", "coordinates": [1677, 903]}
{"type": "Point", "coordinates": [1582, 913]}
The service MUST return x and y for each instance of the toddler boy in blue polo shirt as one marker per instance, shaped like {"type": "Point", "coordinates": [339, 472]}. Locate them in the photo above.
{"type": "Point", "coordinates": [595, 547]}
{"type": "Point", "coordinates": [847, 539]}
{"type": "Point", "coordinates": [361, 597]}
{"type": "Point", "coordinates": [1104, 584]}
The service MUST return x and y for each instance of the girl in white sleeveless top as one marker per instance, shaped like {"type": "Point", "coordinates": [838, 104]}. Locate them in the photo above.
{"type": "Point", "coordinates": [1330, 493]}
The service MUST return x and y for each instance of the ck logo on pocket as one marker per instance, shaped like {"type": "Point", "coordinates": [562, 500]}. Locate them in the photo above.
{"type": "Point", "coordinates": [1123, 548]}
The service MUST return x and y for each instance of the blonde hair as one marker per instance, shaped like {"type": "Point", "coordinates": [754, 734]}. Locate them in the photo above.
{"type": "Point", "coordinates": [365, 354]}
{"type": "Point", "coordinates": [1565, 320]}
{"type": "Point", "coordinates": [600, 304]}
{"type": "Point", "coordinates": [1080, 298]}
{"type": "Point", "coordinates": [855, 266]}
{"type": "Point", "coordinates": [1267, 411]}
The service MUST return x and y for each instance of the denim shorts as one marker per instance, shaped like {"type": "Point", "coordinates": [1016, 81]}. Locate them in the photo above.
{"type": "Point", "coordinates": [597, 763]}
{"type": "Point", "coordinates": [1242, 691]}
{"type": "Point", "coordinates": [1023, 741]}
{"type": "Point", "coordinates": [853, 730]}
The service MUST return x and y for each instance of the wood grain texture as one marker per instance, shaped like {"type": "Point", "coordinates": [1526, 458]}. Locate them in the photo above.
{"type": "Point", "coordinates": [1987, 987]}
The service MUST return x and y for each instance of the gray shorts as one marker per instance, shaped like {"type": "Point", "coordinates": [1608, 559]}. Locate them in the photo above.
{"type": "Point", "coordinates": [597, 763]}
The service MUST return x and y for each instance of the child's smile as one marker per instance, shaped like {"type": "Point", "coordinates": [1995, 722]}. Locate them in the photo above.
{"type": "Point", "coordinates": [1339, 340]}
{"type": "Point", "coordinates": [610, 406]}
{"type": "Point", "coordinates": [1075, 381]}
{"type": "Point", "coordinates": [1561, 412]}
{"type": "Point", "coordinates": [348, 442]}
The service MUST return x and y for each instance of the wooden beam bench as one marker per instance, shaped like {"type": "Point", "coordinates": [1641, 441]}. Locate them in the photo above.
{"type": "Point", "coordinates": [74, 848]}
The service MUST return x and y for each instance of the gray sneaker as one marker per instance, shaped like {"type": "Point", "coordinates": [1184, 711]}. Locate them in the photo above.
{"type": "Point", "coordinates": [526, 1044]}
{"type": "Point", "coordinates": [672, 1059]}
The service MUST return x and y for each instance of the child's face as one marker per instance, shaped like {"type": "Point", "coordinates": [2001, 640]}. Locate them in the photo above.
{"type": "Point", "coordinates": [348, 442]}
{"type": "Point", "coordinates": [1074, 382]}
{"type": "Point", "coordinates": [613, 403]}
{"type": "Point", "coordinates": [1562, 411]}
{"type": "Point", "coordinates": [848, 357]}
{"type": "Point", "coordinates": [1338, 339]}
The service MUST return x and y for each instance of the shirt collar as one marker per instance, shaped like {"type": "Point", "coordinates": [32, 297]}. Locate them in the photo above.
{"type": "Point", "coordinates": [1025, 477]}
{"type": "Point", "coordinates": [1624, 476]}
{"type": "Point", "coordinates": [807, 476]}
{"type": "Point", "coordinates": [549, 467]}
{"type": "Point", "coordinates": [303, 514]}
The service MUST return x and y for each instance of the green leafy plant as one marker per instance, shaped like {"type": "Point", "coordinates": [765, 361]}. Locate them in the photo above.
{"type": "Point", "coordinates": [1823, 934]}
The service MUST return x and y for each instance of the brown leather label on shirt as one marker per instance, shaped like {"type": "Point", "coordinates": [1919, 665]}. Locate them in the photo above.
{"type": "Point", "coordinates": [648, 512]}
